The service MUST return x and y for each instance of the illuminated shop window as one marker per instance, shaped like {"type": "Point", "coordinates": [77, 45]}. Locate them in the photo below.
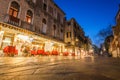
{"type": "Point", "coordinates": [7, 41]}
{"type": "Point", "coordinates": [29, 16]}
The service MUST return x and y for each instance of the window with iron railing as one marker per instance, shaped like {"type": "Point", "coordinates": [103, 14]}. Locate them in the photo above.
{"type": "Point", "coordinates": [13, 13]}
{"type": "Point", "coordinates": [14, 9]}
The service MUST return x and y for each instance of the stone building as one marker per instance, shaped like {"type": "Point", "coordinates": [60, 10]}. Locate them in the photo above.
{"type": "Point", "coordinates": [74, 37]}
{"type": "Point", "coordinates": [35, 24]}
{"type": "Point", "coordinates": [115, 45]}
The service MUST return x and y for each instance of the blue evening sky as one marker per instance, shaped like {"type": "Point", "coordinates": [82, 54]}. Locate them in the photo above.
{"type": "Point", "coordinates": [92, 15]}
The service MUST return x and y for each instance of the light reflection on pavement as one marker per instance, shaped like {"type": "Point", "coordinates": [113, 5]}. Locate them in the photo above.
{"type": "Point", "coordinates": [59, 68]}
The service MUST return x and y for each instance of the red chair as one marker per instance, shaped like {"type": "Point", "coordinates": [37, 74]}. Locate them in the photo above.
{"type": "Point", "coordinates": [54, 52]}
{"type": "Point", "coordinates": [5, 50]}
{"type": "Point", "coordinates": [16, 52]}
{"type": "Point", "coordinates": [10, 50]}
{"type": "Point", "coordinates": [40, 52]}
{"type": "Point", "coordinates": [73, 54]}
{"type": "Point", "coordinates": [33, 52]}
{"type": "Point", "coordinates": [65, 53]}
{"type": "Point", "coordinates": [46, 53]}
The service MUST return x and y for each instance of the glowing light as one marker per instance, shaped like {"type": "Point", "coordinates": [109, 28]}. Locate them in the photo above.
{"type": "Point", "coordinates": [23, 37]}
{"type": "Point", "coordinates": [31, 39]}
{"type": "Point", "coordinates": [1, 32]}
{"type": "Point", "coordinates": [52, 60]}
{"type": "Point", "coordinates": [61, 54]}
{"type": "Point", "coordinates": [76, 53]}
{"type": "Point", "coordinates": [70, 54]}
{"type": "Point", "coordinates": [70, 51]}
{"type": "Point", "coordinates": [6, 41]}
{"type": "Point", "coordinates": [65, 49]}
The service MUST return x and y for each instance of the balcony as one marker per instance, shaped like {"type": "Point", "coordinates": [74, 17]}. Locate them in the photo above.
{"type": "Point", "coordinates": [12, 20]}
{"type": "Point", "coordinates": [27, 26]}
{"type": "Point", "coordinates": [56, 38]}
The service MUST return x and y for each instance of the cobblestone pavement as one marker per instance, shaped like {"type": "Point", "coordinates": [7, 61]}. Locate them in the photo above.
{"type": "Point", "coordinates": [59, 68]}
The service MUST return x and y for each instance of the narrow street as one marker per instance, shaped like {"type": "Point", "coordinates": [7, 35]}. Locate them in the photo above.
{"type": "Point", "coordinates": [59, 68]}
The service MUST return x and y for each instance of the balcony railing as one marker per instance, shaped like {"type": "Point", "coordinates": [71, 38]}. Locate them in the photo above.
{"type": "Point", "coordinates": [57, 38]}
{"type": "Point", "coordinates": [27, 26]}
{"type": "Point", "coordinates": [12, 20]}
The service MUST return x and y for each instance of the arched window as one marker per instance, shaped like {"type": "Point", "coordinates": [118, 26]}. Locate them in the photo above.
{"type": "Point", "coordinates": [44, 21]}
{"type": "Point", "coordinates": [45, 5]}
{"type": "Point", "coordinates": [44, 26]}
{"type": "Point", "coordinates": [54, 26]}
{"type": "Point", "coordinates": [29, 16]}
{"type": "Point", "coordinates": [14, 9]}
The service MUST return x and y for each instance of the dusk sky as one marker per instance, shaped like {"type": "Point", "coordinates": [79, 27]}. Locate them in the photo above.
{"type": "Point", "coordinates": [92, 15]}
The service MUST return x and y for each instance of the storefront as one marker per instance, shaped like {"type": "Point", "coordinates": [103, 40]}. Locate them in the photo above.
{"type": "Point", "coordinates": [69, 50]}
{"type": "Point", "coordinates": [27, 42]}
{"type": "Point", "coordinates": [72, 50]}
{"type": "Point", "coordinates": [13, 37]}
{"type": "Point", "coordinates": [77, 51]}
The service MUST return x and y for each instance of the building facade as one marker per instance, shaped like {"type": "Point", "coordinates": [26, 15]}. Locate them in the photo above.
{"type": "Point", "coordinates": [74, 37]}
{"type": "Point", "coordinates": [32, 25]}
{"type": "Point", "coordinates": [115, 45]}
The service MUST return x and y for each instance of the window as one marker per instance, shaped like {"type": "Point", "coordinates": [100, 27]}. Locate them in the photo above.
{"type": "Point", "coordinates": [14, 9]}
{"type": "Point", "coordinates": [61, 19]}
{"type": "Point", "coordinates": [45, 5]}
{"type": "Point", "coordinates": [61, 34]}
{"type": "Point", "coordinates": [55, 13]}
{"type": "Point", "coordinates": [29, 16]}
{"type": "Point", "coordinates": [44, 21]}
{"type": "Point", "coordinates": [69, 23]}
{"type": "Point", "coordinates": [54, 27]}
{"type": "Point", "coordinates": [58, 17]}
{"type": "Point", "coordinates": [54, 30]}
{"type": "Point", "coordinates": [50, 10]}
{"type": "Point", "coordinates": [61, 31]}
{"type": "Point", "coordinates": [68, 34]}
{"type": "Point", "coordinates": [6, 41]}
{"type": "Point", "coordinates": [44, 26]}
{"type": "Point", "coordinates": [75, 25]}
